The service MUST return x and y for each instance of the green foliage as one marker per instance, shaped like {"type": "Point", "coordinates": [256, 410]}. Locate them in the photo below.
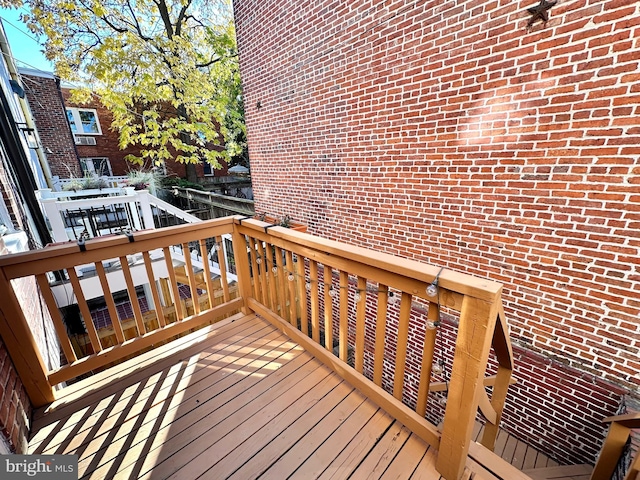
{"type": "Point", "coordinates": [143, 179]}
{"type": "Point", "coordinates": [166, 69]}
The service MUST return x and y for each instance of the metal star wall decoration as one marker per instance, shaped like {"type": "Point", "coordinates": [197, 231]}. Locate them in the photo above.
{"type": "Point", "coordinates": [540, 12]}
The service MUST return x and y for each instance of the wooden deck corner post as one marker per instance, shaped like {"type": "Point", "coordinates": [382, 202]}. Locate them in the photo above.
{"type": "Point", "coordinates": [613, 447]}
{"type": "Point", "coordinates": [242, 267]}
{"type": "Point", "coordinates": [21, 345]}
{"type": "Point", "coordinates": [475, 332]}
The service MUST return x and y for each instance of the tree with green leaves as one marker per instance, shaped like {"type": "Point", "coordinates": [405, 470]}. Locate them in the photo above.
{"type": "Point", "coordinates": [166, 69]}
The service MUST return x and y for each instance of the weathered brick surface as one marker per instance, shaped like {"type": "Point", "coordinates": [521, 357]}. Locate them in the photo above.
{"type": "Point", "coordinates": [15, 408]}
{"type": "Point", "coordinates": [48, 111]}
{"type": "Point", "coordinates": [449, 133]}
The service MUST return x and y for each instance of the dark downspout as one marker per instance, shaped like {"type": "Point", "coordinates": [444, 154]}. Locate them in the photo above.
{"type": "Point", "coordinates": [26, 183]}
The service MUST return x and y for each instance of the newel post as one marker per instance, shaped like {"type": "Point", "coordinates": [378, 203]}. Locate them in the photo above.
{"type": "Point", "coordinates": [243, 273]}
{"type": "Point", "coordinates": [23, 350]}
{"type": "Point", "coordinates": [475, 332]}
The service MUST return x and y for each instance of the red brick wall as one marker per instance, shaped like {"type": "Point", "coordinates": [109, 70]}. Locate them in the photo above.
{"type": "Point", "coordinates": [51, 122]}
{"type": "Point", "coordinates": [450, 133]}
{"type": "Point", "coordinates": [15, 408]}
{"type": "Point", "coordinates": [107, 143]}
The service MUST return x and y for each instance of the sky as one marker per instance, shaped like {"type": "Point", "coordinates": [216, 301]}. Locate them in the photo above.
{"type": "Point", "coordinates": [26, 50]}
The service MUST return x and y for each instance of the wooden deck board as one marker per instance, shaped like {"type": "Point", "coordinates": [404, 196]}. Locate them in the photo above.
{"type": "Point", "coordinates": [236, 400]}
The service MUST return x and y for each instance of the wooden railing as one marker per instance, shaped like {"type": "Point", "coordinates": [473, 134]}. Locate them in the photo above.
{"type": "Point", "coordinates": [310, 286]}
{"type": "Point", "coordinates": [55, 268]}
{"type": "Point", "coordinates": [614, 445]}
{"type": "Point", "coordinates": [365, 314]}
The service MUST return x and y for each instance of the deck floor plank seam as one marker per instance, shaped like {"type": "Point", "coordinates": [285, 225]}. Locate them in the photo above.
{"type": "Point", "coordinates": [222, 404]}
{"type": "Point", "coordinates": [309, 386]}
{"type": "Point", "coordinates": [216, 357]}
{"type": "Point", "coordinates": [140, 368]}
{"type": "Point", "coordinates": [245, 454]}
{"type": "Point", "coordinates": [286, 440]}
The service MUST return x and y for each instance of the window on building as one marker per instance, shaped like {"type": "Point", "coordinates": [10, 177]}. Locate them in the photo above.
{"type": "Point", "coordinates": [84, 121]}
{"type": "Point", "coordinates": [208, 170]}
{"type": "Point", "coordinates": [97, 166]}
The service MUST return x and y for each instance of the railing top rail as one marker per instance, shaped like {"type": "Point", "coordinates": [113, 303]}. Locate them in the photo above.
{"type": "Point", "coordinates": [451, 280]}
{"type": "Point", "coordinates": [219, 196]}
{"type": "Point", "coordinates": [55, 257]}
{"type": "Point", "coordinates": [161, 204]}
{"type": "Point", "coordinates": [46, 193]}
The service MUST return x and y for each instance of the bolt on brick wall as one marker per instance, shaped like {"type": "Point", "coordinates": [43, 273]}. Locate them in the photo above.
{"type": "Point", "coordinates": [450, 133]}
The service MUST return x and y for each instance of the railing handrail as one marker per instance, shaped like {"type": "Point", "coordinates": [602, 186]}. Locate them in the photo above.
{"type": "Point", "coordinates": [26, 263]}
{"type": "Point", "coordinates": [450, 280]}
{"type": "Point", "coordinates": [173, 210]}
{"type": "Point", "coordinates": [218, 196]}
{"type": "Point", "coordinates": [481, 325]}
{"type": "Point", "coordinates": [47, 193]}
{"type": "Point", "coordinates": [109, 179]}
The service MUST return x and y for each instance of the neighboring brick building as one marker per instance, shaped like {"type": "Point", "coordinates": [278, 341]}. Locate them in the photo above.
{"type": "Point", "coordinates": [92, 146]}
{"type": "Point", "coordinates": [451, 133]}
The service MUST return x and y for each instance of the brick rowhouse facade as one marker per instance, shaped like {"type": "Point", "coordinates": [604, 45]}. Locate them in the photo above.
{"type": "Point", "coordinates": [451, 133]}
{"type": "Point", "coordinates": [48, 110]}
{"type": "Point", "coordinates": [48, 104]}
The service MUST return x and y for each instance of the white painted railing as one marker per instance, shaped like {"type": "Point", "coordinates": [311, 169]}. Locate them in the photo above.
{"type": "Point", "coordinates": [111, 181]}
{"type": "Point", "coordinates": [173, 210]}
{"type": "Point", "coordinates": [100, 212]}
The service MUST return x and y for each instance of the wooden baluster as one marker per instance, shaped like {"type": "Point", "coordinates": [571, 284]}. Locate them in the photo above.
{"type": "Point", "coordinates": [428, 349]}
{"type": "Point", "coordinates": [195, 298]}
{"type": "Point", "coordinates": [315, 304]}
{"type": "Point", "coordinates": [361, 308]}
{"type": "Point", "coordinates": [84, 310]}
{"type": "Point", "coordinates": [255, 268]}
{"type": "Point", "coordinates": [327, 275]}
{"type": "Point", "coordinates": [344, 317]}
{"type": "Point", "coordinates": [154, 289]}
{"type": "Point", "coordinates": [222, 262]}
{"type": "Point", "coordinates": [381, 328]}
{"type": "Point", "coordinates": [264, 291]}
{"type": "Point", "coordinates": [271, 279]}
{"type": "Point", "coordinates": [242, 268]}
{"type": "Point", "coordinates": [302, 295]}
{"type": "Point", "coordinates": [282, 290]}
{"type": "Point", "coordinates": [291, 272]}
{"type": "Point", "coordinates": [111, 306]}
{"type": "Point", "coordinates": [204, 251]}
{"type": "Point", "coordinates": [177, 304]}
{"type": "Point", "coordinates": [401, 349]}
{"type": "Point", "coordinates": [131, 289]}
{"type": "Point", "coordinates": [59, 325]}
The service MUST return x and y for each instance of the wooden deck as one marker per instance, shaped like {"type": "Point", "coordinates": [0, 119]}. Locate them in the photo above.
{"type": "Point", "coordinates": [234, 400]}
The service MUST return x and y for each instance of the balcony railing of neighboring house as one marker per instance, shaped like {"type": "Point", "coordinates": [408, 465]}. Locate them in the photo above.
{"type": "Point", "coordinates": [325, 295]}
{"type": "Point", "coordinates": [110, 182]}
{"type": "Point", "coordinates": [215, 204]}
{"type": "Point", "coordinates": [92, 213]}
